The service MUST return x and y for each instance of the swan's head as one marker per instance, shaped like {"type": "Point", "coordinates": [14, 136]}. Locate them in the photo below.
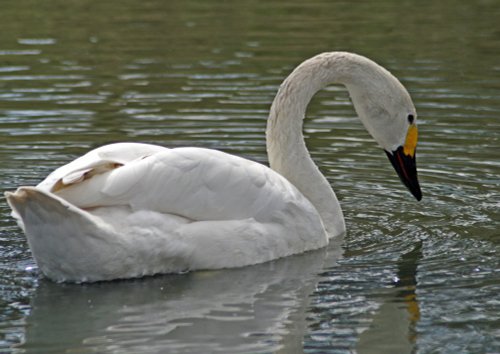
{"type": "Point", "coordinates": [387, 111]}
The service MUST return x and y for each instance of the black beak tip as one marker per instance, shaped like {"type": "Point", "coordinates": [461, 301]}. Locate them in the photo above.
{"type": "Point", "coordinates": [406, 169]}
{"type": "Point", "coordinates": [417, 193]}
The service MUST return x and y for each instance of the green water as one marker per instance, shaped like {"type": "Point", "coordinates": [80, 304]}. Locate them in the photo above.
{"type": "Point", "coordinates": [408, 277]}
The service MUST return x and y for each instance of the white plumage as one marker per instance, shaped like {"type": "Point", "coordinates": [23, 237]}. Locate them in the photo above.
{"type": "Point", "coordinates": [127, 209]}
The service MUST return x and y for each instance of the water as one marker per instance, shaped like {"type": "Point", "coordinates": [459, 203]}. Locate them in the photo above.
{"type": "Point", "coordinates": [408, 277]}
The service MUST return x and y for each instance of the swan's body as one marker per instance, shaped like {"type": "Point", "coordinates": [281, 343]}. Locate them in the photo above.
{"type": "Point", "coordinates": [127, 210]}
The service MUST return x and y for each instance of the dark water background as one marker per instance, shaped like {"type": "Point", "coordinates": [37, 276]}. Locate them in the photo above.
{"type": "Point", "coordinates": [408, 277]}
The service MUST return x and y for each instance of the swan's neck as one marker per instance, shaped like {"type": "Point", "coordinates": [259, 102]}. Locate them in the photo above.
{"type": "Point", "coordinates": [286, 148]}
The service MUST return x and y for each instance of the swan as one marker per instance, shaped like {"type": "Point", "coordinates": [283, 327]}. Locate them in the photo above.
{"type": "Point", "coordinates": [128, 210]}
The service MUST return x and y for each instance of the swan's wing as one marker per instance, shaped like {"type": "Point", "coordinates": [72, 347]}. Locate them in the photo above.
{"type": "Point", "coordinates": [199, 184]}
{"type": "Point", "coordinates": [97, 161]}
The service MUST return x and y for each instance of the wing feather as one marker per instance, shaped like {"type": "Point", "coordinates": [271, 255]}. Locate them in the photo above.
{"type": "Point", "coordinates": [97, 161]}
{"type": "Point", "coordinates": [199, 184]}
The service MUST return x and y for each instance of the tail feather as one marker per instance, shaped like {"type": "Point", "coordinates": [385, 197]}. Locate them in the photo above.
{"type": "Point", "coordinates": [24, 199]}
{"type": "Point", "coordinates": [63, 238]}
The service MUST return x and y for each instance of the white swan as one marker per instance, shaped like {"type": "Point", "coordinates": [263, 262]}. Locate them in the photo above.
{"type": "Point", "coordinates": [127, 210]}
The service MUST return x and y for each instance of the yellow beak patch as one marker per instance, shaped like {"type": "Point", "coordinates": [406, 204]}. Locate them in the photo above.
{"type": "Point", "coordinates": [411, 141]}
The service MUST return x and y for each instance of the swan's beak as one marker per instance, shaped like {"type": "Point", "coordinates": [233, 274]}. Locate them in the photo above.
{"type": "Point", "coordinates": [403, 161]}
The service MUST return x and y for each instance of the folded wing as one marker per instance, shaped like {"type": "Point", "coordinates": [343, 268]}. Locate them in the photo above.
{"type": "Point", "coordinates": [198, 184]}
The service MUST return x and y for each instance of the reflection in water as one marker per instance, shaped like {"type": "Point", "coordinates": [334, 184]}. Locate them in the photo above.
{"type": "Point", "coordinates": [237, 310]}
{"type": "Point", "coordinates": [407, 283]}
{"type": "Point", "coordinates": [368, 305]}
{"type": "Point", "coordinates": [393, 326]}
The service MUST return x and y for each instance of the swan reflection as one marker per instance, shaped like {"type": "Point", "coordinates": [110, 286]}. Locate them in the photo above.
{"type": "Point", "coordinates": [235, 310]}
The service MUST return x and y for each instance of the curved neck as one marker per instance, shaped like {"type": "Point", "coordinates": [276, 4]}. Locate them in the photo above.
{"type": "Point", "coordinates": [288, 154]}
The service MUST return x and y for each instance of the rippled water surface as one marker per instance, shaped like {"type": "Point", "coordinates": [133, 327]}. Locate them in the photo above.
{"type": "Point", "coordinates": [408, 276]}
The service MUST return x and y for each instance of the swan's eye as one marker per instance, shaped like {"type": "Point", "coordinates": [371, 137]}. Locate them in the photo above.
{"type": "Point", "coordinates": [411, 118]}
